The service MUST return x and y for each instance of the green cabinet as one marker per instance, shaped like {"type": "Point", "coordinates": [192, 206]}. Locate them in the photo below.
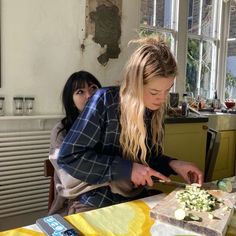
{"type": "Point", "coordinates": [186, 142]}
{"type": "Point", "coordinates": [225, 161]}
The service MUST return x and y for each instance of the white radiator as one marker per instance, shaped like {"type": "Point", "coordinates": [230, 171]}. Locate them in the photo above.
{"type": "Point", "coordinates": [23, 187]}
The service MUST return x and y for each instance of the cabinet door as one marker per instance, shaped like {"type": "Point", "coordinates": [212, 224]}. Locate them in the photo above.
{"type": "Point", "coordinates": [225, 161]}
{"type": "Point", "coordinates": [186, 142]}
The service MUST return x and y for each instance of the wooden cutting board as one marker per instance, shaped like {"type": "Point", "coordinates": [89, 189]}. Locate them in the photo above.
{"type": "Point", "coordinates": [164, 212]}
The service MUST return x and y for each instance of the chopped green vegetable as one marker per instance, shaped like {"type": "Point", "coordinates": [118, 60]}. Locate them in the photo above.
{"type": "Point", "coordinates": [226, 208]}
{"type": "Point", "coordinates": [224, 185]}
{"type": "Point", "coordinates": [197, 199]}
{"type": "Point", "coordinates": [194, 217]}
{"type": "Point", "coordinates": [210, 216]}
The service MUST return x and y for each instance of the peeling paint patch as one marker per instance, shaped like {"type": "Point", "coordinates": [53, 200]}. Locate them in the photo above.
{"type": "Point", "coordinates": [106, 27]}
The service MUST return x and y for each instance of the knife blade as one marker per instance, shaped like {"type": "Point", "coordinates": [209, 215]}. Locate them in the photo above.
{"type": "Point", "coordinates": [172, 182]}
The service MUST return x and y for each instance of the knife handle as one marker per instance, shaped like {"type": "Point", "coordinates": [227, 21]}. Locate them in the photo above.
{"type": "Point", "coordinates": [156, 180]}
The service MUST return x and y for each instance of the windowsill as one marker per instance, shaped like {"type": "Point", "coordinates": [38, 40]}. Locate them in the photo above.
{"type": "Point", "coordinates": [28, 123]}
{"type": "Point", "coordinates": [32, 117]}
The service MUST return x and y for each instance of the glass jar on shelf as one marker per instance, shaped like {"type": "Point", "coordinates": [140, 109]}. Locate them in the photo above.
{"type": "Point", "coordinates": [18, 106]}
{"type": "Point", "coordinates": [2, 106]}
{"type": "Point", "coordinates": [29, 105]}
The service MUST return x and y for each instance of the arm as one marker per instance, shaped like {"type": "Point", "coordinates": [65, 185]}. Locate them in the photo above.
{"type": "Point", "coordinates": [81, 153]}
{"type": "Point", "coordinates": [56, 138]}
{"type": "Point", "coordinates": [161, 162]}
{"type": "Point", "coordinates": [167, 166]}
{"type": "Point", "coordinates": [158, 166]}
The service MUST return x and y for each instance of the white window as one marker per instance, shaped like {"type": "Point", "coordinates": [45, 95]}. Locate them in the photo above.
{"type": "Point", "coordinates": [203, 37]}
{"type": "Point", "coordinates": [158, 17]}
{"type": "Point", "coordinates": [202, 47]}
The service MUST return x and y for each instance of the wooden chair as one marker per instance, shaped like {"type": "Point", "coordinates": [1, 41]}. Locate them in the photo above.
{"type": "Point", "coordinates": [49, 172]}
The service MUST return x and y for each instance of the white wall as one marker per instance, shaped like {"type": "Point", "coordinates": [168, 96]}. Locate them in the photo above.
{"type": "Point", "coordinates": [41, 47]}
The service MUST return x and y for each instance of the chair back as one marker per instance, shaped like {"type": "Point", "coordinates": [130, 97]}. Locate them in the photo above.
{"type": "Point", "coordinates": [49, 172]}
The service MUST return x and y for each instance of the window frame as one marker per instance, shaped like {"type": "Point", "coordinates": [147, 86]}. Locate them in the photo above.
{"type": "Point", "coordinates": [227, 5]}
{"type": "Point", "coordinates": [214, 40]}
{"type": "Point", "coordinates": [219, 51]}
{"type": "Point", "coordinates": [172, 30]}
{"type": "Point", "coordinates": [223, 48]}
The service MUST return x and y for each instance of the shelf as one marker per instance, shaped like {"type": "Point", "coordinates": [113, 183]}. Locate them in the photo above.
{"type": "Point", "coordinates": [33, 117]}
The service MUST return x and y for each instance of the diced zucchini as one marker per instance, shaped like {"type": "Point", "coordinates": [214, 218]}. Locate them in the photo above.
{"type": "Point", "coordinates": [180, 214]}
{"type": "Point", "coordinates": [210, 216]}
{"type": "Point", "coordinates": [225, 185]}
{"type": "Point", "coordinates": [197, 199]}
{"type": "Point", "coordinates": [194, 217]}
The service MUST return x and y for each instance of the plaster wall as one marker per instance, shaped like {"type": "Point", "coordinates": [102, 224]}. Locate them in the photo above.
{"type": "Point", "coordinates": [41, 46]}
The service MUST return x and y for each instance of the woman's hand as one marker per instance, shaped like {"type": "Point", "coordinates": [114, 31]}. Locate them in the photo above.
{"type": "Point", "coordinates": [142, 175]}
{"type": "Point", "coordinates": [188, 171]}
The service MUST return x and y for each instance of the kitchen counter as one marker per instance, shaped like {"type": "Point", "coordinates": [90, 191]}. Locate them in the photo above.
{"type": "Point", "coordinates": [191, 118]}
{"type": "Point", "coordinates": [220, 121]}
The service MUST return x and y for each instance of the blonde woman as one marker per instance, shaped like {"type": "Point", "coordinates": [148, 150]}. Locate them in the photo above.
{"type": "Point", "coordinates": [117, 140]}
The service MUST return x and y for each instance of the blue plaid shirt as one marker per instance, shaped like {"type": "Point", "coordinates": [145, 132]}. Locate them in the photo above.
{"type": "Point", "coordinates": [91, 150]}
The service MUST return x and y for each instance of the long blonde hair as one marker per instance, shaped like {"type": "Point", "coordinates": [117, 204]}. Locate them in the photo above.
{"type": "Point", "coordinates": [152, 59]}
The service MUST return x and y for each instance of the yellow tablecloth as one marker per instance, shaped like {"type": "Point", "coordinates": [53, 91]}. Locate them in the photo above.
{"type": "Point", "coordinates": [130, 218]}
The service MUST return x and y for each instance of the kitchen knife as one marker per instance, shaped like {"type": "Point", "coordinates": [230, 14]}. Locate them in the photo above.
{"type": "Point", "coordinates": [172, 182]}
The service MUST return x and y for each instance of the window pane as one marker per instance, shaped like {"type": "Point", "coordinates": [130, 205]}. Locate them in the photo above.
{"type": "Point", "coordinates": [164, 14]}
{"type": "Point", "coordinates": [157, 13]}
{"type": "Point", "coordinates": [207, 18]}
{"type": "Point", "coordinates": [192, 66]}
{"type": "Point", "coordinates": [230, 83]}
{"type": "Point", "coordinates": [190, 15]}
{"type": "Point", "coordinates": [193, 16]}
{"type": "Point", "coordinates": [199, 65]}
{"type": "Point", "coordinates": [232, 29]}
{"type": "Point", "coordinates": [206, 70]}
{"type": "Point", "coordinates": [157, 17]}
{"type": "Point", "coordinates": [147, 10]}
{"type": "Point", "coordinates": [200, 17]}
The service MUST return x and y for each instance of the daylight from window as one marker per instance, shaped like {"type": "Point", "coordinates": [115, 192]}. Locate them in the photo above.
{"type": "Point", "coordinates": [204, 72]}
{"type": "Point", "coordinates": [230, 82]}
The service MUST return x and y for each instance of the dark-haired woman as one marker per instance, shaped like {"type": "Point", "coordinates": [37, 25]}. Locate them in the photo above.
{"type": "Point", "coordinates": [79, 87]}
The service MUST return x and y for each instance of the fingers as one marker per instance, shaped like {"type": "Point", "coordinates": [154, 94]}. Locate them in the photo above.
{"type": "Point", "coordinates": [160, 176]}
{"type": "Point", "coordinates": [200, 178]}
{"type": "Point", "coordinates": [195, 177]}
{"type": "Point", "coordinates": [142, 175]}
{"type": "Point", "coordinates": [139, 175]}
{"type": "Point", "coordinates": [191, 177]}
{"type": "Point", "coordinates": [149, 181]}
{"type": "Point", "coordinates": [151, 172]}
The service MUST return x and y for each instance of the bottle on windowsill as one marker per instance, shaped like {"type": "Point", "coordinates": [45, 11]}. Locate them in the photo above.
{"type": "Point", "coordinates": [185, 105]}
{"type": "Point", "coordinates": [199, 104]}
{"type": "Point", "coordinates": [216, 101]}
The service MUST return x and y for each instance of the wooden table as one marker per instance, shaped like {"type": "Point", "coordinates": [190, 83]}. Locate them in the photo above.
{"type": "Point", "coordinates": [130, 218]}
